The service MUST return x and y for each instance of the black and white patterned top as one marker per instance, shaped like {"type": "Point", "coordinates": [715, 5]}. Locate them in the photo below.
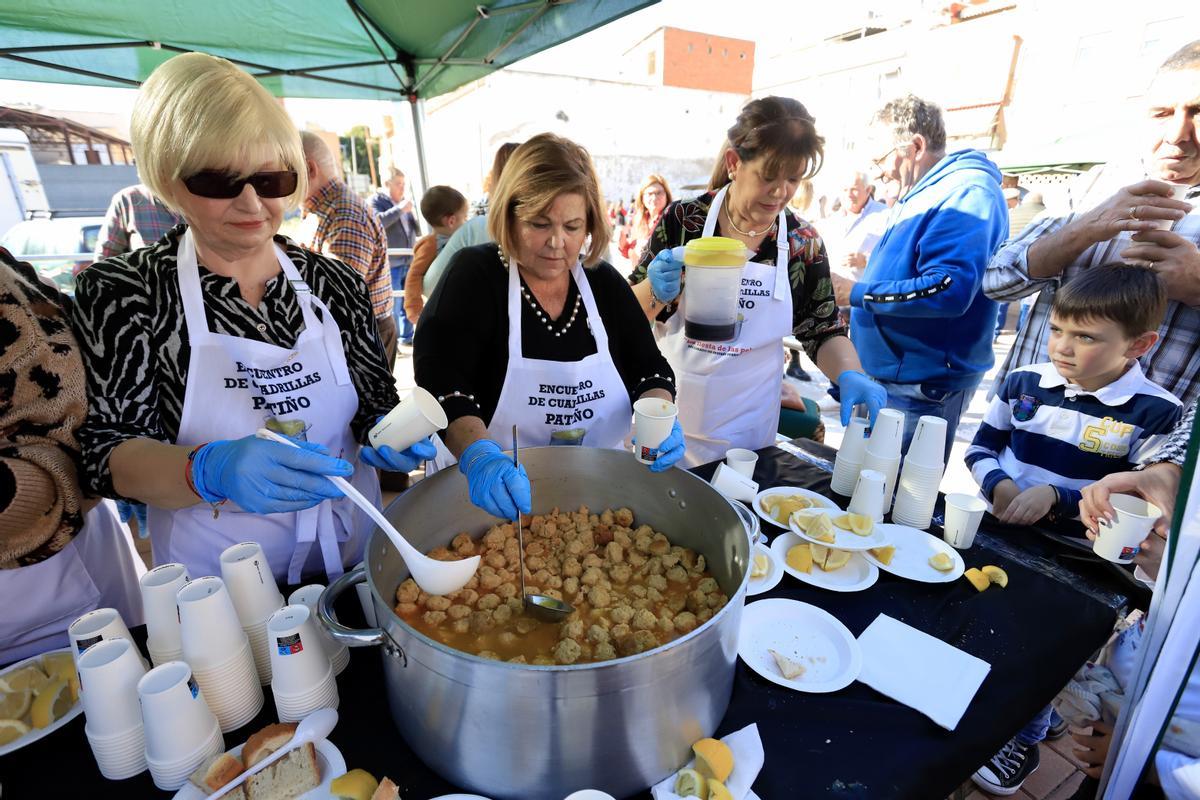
{"type": "Point", "coordinates": [128, 316]}
{"type": "Point", "coordinates": [1176, 447]}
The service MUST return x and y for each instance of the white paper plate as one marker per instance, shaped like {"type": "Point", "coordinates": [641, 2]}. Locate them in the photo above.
{"type": "Point", "coordinates": [857, 575]}
{"type": "Point", "coordinates": [819, 499]}
{"type": "Point", "coordinates": [844, 540]}
{"type": "Point", "coordinates": [805, 634]}
{"type": "Point", "coordinates": [329, 761]}
{"type": "Point", "coordinates": [913, 550]}
{"type": "Point", "coordinates": [37, 733]}
{"type": "Point", "coordinates": [461, 797]}
{"type": "Point", "coordinates": [774, 572]}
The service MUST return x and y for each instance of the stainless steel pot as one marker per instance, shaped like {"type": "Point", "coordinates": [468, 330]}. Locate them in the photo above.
{"type": "Point", "coordinates": [513, 731]}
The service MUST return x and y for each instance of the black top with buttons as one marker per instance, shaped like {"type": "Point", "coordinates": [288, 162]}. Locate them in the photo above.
{"type": "Point", "coordinates": [460, 351]}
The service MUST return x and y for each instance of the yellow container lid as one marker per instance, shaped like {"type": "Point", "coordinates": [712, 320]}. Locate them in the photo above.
{"type": "Point", "coordinates": [715, 251]}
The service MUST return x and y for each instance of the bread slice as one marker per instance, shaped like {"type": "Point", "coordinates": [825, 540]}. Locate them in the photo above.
{"type": "Point", "coordinates": [267, 741]}
{"type": "Point", "coordinates": [218, 771]}
{"type": "Point", "coordinates": [289, 777]}
{"type": "Point", "coordinates": [386, 791]}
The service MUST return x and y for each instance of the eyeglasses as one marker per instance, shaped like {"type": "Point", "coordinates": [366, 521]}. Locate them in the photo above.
{"type": "Point", "coordinates": [879, 161]}
{"type": "Point", "coordinates": [220, 185]}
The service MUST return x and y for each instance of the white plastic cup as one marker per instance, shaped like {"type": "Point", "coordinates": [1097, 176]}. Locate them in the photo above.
{"type": "Point", "coordinates": [742, 460]}
{"type": "Point", "coordinates": [734, 484]}
{"type": "Point", "coordinates": [888, 467]}
{"type": "Point", "coordinates": [415, 417]}
{"type": "Point", "coordinates": [232, 689]}
{"type": "Point", "coordinates": [122, 756]}
{"type": "Point", "coordinates": [257, 636]}
{"type": "Point", "coordinates": [172, 775]}
{"type": "Point", "coordinates": [850, 457]}
{"type": "Point", "coordinates": [95, 627]}
{"type": "Point", "coordinates": [963, 515]}
{"type": "Point", "coordinates": [176, 718]}
{"type": "Point", "coordinates": [868, 495]}
{"type": "Point", "coordinates": [109, 672]}
{"type": "Point", "coordinates": [209, 625]}
{"type": "Point", "coordinates": [160, 657]}
{"type": "Point", "coordinates": [887, 434]}
{"type": "Point", "coordinates": [293, 708]}
{"type": "Point", "coordinates": [928, 445]}
{"type": "Point", "coordinates": [1178, 192]}
{"type": "Point", "coordinates": [298, 659]}
{"type": "Point", "coordinates": [308, 596]}
{"type": "Point", "coordinates": [250, 582]}
{"type": "Point", "coordinates": [159, 588]}
{"type": "Point", "coordinates": [653, 419]}
{"type": "Point", "coordinates": [1133, 518]}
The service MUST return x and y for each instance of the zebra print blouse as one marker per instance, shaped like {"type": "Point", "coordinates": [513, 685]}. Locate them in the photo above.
{"type": "Point", "coordinates": [128, 317]}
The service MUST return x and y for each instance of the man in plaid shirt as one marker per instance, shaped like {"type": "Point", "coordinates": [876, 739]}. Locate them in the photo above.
{"type": "Point", "coordinates": [349, 232]}
{"type": "Point", "coordinates": [1123, 215]}
{"type": "Point", "coordinates": [135, 218]}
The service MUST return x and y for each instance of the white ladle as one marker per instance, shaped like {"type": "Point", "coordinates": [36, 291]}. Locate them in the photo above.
{"type": "Point", "coordinates": [433, 576]}
{"type": "Point", "coordinates": [313, 728]}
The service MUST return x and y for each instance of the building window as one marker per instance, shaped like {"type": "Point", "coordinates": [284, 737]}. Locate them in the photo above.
{"type": "Point", "coordinates": [650, 63]}
{"type": "Point", "coordinates": [710, 49]}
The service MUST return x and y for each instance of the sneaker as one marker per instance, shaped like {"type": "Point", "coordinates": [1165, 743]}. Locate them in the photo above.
{"type": "Point", "coordinates": [1058, 727]}
{"type": "Point", "coordinates": [1007, 770]}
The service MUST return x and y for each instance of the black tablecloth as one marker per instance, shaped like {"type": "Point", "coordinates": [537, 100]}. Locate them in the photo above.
{"type": "Point", "coordinates": [854, 743]}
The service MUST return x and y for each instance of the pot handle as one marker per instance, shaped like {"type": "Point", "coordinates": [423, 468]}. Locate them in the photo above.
{"type": "Point", "coordinates": [352, 637]}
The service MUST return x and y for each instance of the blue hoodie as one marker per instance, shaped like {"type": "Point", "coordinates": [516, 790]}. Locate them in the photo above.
{"type": "Point", "coordinates": [918, 315]}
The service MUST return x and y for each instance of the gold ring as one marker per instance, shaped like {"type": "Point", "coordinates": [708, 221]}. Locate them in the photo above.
{"type": "Point", "coordinates": [1133, 212]}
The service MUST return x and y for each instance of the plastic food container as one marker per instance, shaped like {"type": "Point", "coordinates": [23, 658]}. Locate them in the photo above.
{"type": "Point", "coordinates": [711, 291]}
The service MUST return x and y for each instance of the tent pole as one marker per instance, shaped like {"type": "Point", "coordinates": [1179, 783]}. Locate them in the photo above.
{"type": "Point", "coordinates": [418, 119]}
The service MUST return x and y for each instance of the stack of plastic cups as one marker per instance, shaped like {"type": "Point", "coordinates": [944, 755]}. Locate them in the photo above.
{"type": "Point", "coordinates": [248, 578]}
{"type": "Point", "coordinates": [95, 627]}
{"type": "Point", "coordinates": [850, 457]}
{"type": "Point", "coordinates": [159, 589]}
{"type": "Point", "coordinates": [110, 671]}
{"type": "Point", "coordinates": [869, 494]}
{"type": "Point", "coordinates": [181, 731]}
{"type": "Point", "coordinates": [301, 675]}
{"type": "Point", "coordinates": [916, 493]}
{"type": "Point", "coordinates": [339, 654]}
{"type": "Point", "coordinates": [883, 450]}
{"type": "Point", "coordinates": [216, 648]}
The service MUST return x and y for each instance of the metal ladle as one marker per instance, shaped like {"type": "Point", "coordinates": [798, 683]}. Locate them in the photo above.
{"type": "Point", "coordinates": [539, 606]}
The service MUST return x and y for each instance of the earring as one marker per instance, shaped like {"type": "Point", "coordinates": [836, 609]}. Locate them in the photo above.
{"type": "Point", "coordinates": [730, 176]}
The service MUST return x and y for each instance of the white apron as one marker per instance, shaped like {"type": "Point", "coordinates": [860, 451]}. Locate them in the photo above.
{"type": "Point", "coordinates": [728, 392]}
{"type": "Point", "coordinates": [99, 568]}
{"type": "Point", "coordinates": [233, 385]}
{"type": "Point", "coordinates": [581, 403]}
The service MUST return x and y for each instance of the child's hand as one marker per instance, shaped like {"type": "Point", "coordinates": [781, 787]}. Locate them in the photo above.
{"type": "Point", "coordinates": [1150, 554]}
{"type": "Point", "coordinates": [1094, 750]}
{"type": "Point", "coordinates": [1030, 505]}
{"type": "Point", "coordinates": [1004, 493]}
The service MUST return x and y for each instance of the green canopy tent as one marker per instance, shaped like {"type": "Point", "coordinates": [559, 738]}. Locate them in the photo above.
{"type": "Point", "coordinates": [351, 49]}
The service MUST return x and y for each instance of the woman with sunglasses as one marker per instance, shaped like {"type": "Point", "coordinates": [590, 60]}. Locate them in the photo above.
{"type": "Point", "coordinates": [222, 328]}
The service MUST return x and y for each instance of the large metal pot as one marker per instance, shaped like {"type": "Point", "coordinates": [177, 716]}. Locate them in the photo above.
{"type": "Point", "coordinates": [540, 733]}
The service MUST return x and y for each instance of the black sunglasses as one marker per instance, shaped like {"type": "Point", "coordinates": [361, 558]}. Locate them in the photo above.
{"type": "Point", "coordinates": [218, 184]}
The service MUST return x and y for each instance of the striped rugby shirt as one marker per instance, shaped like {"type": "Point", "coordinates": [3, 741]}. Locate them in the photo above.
{"type": "Point", "coordinates": [1040, 429]}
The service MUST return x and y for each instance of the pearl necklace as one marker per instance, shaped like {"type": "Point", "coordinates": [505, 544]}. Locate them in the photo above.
{"type": "Point", "coordinates": [537, 309]}
{"type": "Point", "coordinates": [751, 234]}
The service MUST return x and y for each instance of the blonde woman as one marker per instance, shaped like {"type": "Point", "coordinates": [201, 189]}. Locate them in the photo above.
{"type": "Point", "coordinates": [652, 197]}
{"type": "Point", "coordinates": [221, 327]}
{"type": "Point", "coordinates": [522, 332]}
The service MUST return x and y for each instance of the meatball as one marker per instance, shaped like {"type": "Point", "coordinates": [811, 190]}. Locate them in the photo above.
{"type": "Point", "coordinates": [438, 603]}
{"type": "Point", "coordinates": [592, 560]}
{"type": "Point", "coordinates": [493, 538]}
{"type": "Point", "coordinates": [508, 639]}
{"type": "Point", "coordinates": [489, 582]}
{"type": "Point", "coordinates": [599, 597]}
{"type": "Point", "coordinates": [506, 590]}
{"type": "Point", "coordinates": [696, 601]}
{"type": "Point", "coordinates": [645, 640]}
{"type": "Point", "coordinates": [461, 625]}
{"type": "Point", "coordinates": [707, 585]}
{"type": "Point", "coordinates": [621, 615]}
{"type": "Point", "coordinates": [685, 622]}
{"type": "Point", "coordinates": [659, 545]}
{"type": "Point", "coordinates": [666, 625]}
{"type": "Point", "coordinates": [676, 603]}
{"type": "Point", "coordinates": [407, 609]}
{"type": "Point", "coordinates": [644, 619]}
{"type": "Point", "coordinates": [604, 652]}
{"type": "Point", "coordinates": [626, 644]}
{"type": "Point", "coordinates": [526, 625]}
{"type": "Point", "coordinates": [597, 635]}
{"type": "Point", "coordinates": [488, 602]}
{"type": "Point", "coordinates": [670, 559]}
{"type": "Point", "coordinates": [623, 517]}
{"type": "Point", "coordinates": [481, 621]}
{"type": "Point", "coordinates": [717, 601]}
{"type": "Point", "coordinates": [638, 591]}
{"type": "Point", "coordinates": [572, 629]}
{"type": "Point", "coordinates": [570, 586]}
{"type": "Point", "coordinates": [567, 651]}
{"type": "Point", "coordinates": [407, 592]}
{"type": "Point", "coordinates": [591, 577]}
{"type": "Point", "coordinates": [636, 558]}
{"type": "Point", "coordinates": [433, 618]}
{"type": "Point", "coordinates": [458, 612]}
{"type": "Point", "coordinates": [620, 573]}
{"type": "Point", "coordinates": [657, 582]}
{"type": "Point", "coordinates": [704, 616]}
{"type": "Point", "coordinates": [614, 552]}
{"type": "Point", "coordinates": [688, 559]}
{"type": "Point", "coordinates": [495, 559]}
{"type": "Point", "coordinates": [463, 545]}
{"type": "Point", "coordinates": [654, 595]}
{"type": "Point", "coordinates": [677, 574]}
{"type": "Point", "coordinates": [571, 567]}
{"type": "Point", "coordinates": [603, 535]}
{"type": "Point", "coordinates": [442, 554]}
{"type": "Point", "coordinates": [502, 614]}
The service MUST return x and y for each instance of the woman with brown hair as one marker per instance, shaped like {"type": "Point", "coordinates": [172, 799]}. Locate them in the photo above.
{"type": "Point", "coordinates": [729, 391]}
{"type": "Point", "coordinates": [652, 198]}
{"type": "Point", "coordinates": [522, 332]}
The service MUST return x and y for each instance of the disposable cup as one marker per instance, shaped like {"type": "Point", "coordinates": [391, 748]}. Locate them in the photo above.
{"type": "Point", "coordinates": [176, 718]}
{"type": "Point", "coordinates": [414, 418]}
{"type": "Point", "coordinates": [887, 435]}
{"type": "Point", "coordinates": [109, 672]}
{"type": "Point", "coordinates": [173, 774]}
{"type": "Point", "coordinates": [208, 623]}
{"type": "Point", "coordinates": [232, 690]}
{"type": "Point", "coordinates": [928, 445]}
{"type": "Point", "coordinates": [914, 510]}
{"type": "Point", "coordinates": [1178, 192]}
{"type": "Point", "coordinates": [868, 495]}
{"type": "Point", "coordinates": [363, 592]}
{"type": "Point", "coordinates": [159, 657]}
{"type": "Point", "coordinates": [257, 636]}
{"type": "Point", "coordinates": [122, 756]}
{"type": "Point", "coordinates": [308, 596]}
{"type": "Point", "coordinates": [963, 514]}
{"type": "Point", "coordinates": [298, 659]}
{"type": "Point", "coordinates": [886, 466]}
{"type": "Point", "coordinates": [292, 708]}
{"type": "Point", "coordinates": [850, 457]}
{"type": "Point", "coordinates": [1133, 518]}
{"type": "Point", "coordinates": [734, 484]}
{"type": "Point", "coordinates": [653, 419]}
{"type": "Point", "coordinates": [742, 460]}
{"type": "Point", "coordinates": [250, 583]}
{"type": "Point", "coordinates": [159, 588]}
{"type": "Point", "coordinates": [94, 627]}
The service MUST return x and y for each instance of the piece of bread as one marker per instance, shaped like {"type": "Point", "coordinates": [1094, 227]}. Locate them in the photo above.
{"type": "Point", "coordinates": [267, 741]}
{"type": "Point", "coordinates": [289, 777]}
{"type": "Point", "coordinates": [218, 771]}
{"type": "Point", "coordinates": [386, 791]}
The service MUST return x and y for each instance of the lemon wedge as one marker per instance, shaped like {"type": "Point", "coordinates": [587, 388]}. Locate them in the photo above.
{"type": "Point", "coordinates": [977, 579]}
{"type": "Point", "coordinates": [835, 559]}
{"type": "Point", "coordinates": [800, 558]}
{"type": "Point", "coordinates": [714, 760]}
{"type": "Point", "coordinates": [718, 791]}
{"type": "Point", "coordinates": [11, 730]}
{"type": "Point", "coordinates": [821, 529]}
{"type": "Point", "coordinates": [861, 524]}
{"type": "Point", "coordinates": [884, 554]}
{"type": "Point", "coordinates": [14, 705]}
{"type": "Point", "coordinates": [690, 783]}
{"type": "Point", "coordinates": [357, 784]}
{"type": "Point", "coordinates": [842, 521]}
{"type": "Point", "coordinates": [760, 568]}
{"type": "Point", "coordinates": [28, 677]}
{"type": "Point", "coordinates": [60, 665]}
{"type": "Point", "coordinates": [51, 703]}
{"type": "Point", "coordinates": [996, 575]}
{"type": "Point", "coordinates": [942, 562]}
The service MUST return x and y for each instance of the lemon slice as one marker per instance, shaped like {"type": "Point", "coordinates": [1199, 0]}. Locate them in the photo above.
{"type": "Point", "coordinates": [14, 705]}
{"type": "Point", "coordinates": [718, 791]}
{"type": "Point", "coordinates": [714, 760]}
{"type": "Point", "coordinates": [690, 783]}
{"type": "Point", "coordinates": [357, 784]}
{"type": "Point", "coordinates": [996, 575]}
{"type": "Point", "coordinates": [800, 558]}
{"type": "Point", "coordinates": [60, 665]}
{"type": "Point", "coordinates": [942, 562]}
{"type": "Point", "coordinates": [51, 703]}
{"type": "Point", "coordinates": [760, 568]}
{"type": "Point", "coordinates": [836, 559]}
{"type": "Point", "coordinates": [977, 579]}
{"type": "Point", "coordinates": [861, 524]}
{"type": "Point", "coordinates": [842, 521]}
{"type": "Point", "coordinates": [884, 554]}
{"type": "Point", "coordinates": [11, 730]}
{"type": "Point", "coordinates": [821, 529]}
{"type": "Point", "coordinates": [28, 677]}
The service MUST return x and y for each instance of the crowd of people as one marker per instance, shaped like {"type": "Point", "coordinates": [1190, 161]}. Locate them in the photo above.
{"type": "Point", "coordinates": [199, 324]}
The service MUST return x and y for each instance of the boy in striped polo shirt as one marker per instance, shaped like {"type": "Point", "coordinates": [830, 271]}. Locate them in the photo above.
{"type": "Point", "coordinates": [1054, 428]}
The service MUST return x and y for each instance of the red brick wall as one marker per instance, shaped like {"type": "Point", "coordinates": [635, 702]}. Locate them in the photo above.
{"type": "Point", "coordinates": [715, 63]}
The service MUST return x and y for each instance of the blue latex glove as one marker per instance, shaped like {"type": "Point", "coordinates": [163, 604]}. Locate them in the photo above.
{"type": "Point", "coordinates": [398, 460]}
{"type": "Point", "coordinates": [857, 388]}
{"type": "Point", "coordinates": [495, 484]}
{"type": "Point", "coordinates": [666, 273]}
{"type": "Point", "coordinates": [128, 509]}
{"type": "Point", "coordinates": [671, 449]}
{"type": "Point", "coordinates": [265, 477]}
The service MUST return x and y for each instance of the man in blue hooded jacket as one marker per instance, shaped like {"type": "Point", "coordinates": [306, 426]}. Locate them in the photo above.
{"type": "Point", "coordinates": [922, 327]}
